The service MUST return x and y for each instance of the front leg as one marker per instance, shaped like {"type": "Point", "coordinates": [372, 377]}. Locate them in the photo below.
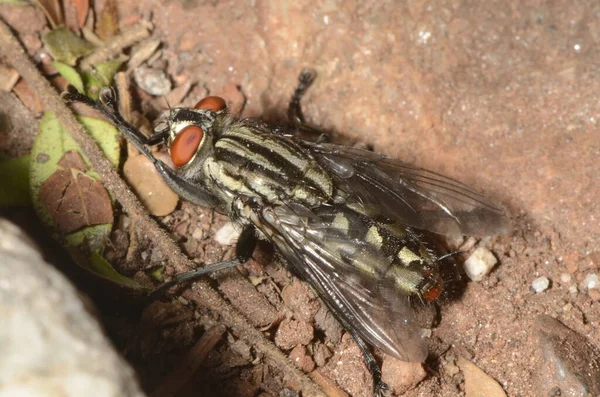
{"type": "Point", "coordinates": [108, 106]}
{"type": "Point", "coordinates": [243, 252]}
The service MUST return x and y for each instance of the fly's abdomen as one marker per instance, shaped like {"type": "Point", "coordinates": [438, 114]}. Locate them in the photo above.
{"type": "Point", "coordinates": [387, 253]}
{"type": "Point", "coordinates": [264, 165]}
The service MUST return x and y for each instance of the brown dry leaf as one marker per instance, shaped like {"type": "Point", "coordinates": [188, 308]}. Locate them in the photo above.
{"type": "Point", "coordinates": [73, 199]}
{"type": "Point", "coordinates": [82, 7]}
{"type": "Point", "coordinates": [149, 186]}
{"type": "Point", "coordinates": [107, 25]}
{"type": "Point", "coordinates": [29, 97]}
{"type": "Point", "coordinates": [8, 78]}
{"type": "Point", "coordinates": [53, 11]}
{"type": "Point", "coordinates": [76, 13]}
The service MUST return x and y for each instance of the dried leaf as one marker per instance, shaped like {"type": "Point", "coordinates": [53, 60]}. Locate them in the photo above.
{"type": "Point", "coordinates": [29, 97]}
{"type": "Point", "coordinates": [75, 200]}
{"type": "Point", "coordinates": [8, 78]}
{"type": "Point", "coordinates": [82, 7]}
{"type": "Point", "coordinates": [108, 21]}
{"type": "Point", "coordinates": [14, 189]}
{"type": "Point", "coordinates": [65, 46]}
{"type": "Point", "coordinates": [53, 11]}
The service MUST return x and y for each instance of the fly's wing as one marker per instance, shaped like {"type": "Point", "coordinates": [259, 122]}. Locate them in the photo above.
{"type": "Point", "coordinates": [411, 195]}
{"type": "Point", "coordinates": [326, 256]}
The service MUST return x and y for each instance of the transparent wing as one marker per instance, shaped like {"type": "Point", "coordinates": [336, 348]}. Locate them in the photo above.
{"type": "Point", "coordinates": [362, 299]}
{"type": "Point", "coordinates": [414, 196]}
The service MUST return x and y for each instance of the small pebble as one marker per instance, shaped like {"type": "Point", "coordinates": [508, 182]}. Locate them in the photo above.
{"type": "Point", "coordinates": [540, 284]}
{"type": "Point", "coordinates": [479, 264]}
{"type": "Point", "coordinates": [477, 382]}
{"type": "Point", "coordinates": [228, 234]}
{"type": "Point", "coordinates": [153, 81]}
{"type": "Point", "coordinates": [400, 375]}
{"type": "Point", "coordinates": [594, 294]}
{"type": "Point", "coordinates": [573, 290]}
{"type": "Point", "coordinates": [591, 281]}
{"type": "Point", "coordinates": [565, 278]}
{"type": "Point", "coordinates": [197, 234]}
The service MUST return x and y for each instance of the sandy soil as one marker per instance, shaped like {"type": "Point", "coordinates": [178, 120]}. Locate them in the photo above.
{"type": "Point", "coordinates": [499, 95]}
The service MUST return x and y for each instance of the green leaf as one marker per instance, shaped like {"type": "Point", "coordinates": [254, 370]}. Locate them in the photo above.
{"type": "Point", "coordinates": [92, 84]}
{"type": "Point", "coordinates": [65, 46]}
{"type": "Point", "coordinates": [106, 71]}
{"type": "Point", "coordinates": [70, 74]}
{"type": "Point", "coordinates": [103, 268]}
{"type": "Point", "coordinates": [14, 189]}
{"type": "Point", "coordinates": [100, 77]}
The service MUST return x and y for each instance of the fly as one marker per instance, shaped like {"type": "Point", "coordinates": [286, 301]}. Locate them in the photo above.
{"type": "Point", "coordinates": [346, 220]}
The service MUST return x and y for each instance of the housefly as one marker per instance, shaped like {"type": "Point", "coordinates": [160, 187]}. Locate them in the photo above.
{"type": "Point", "coordinates": [346, 220]}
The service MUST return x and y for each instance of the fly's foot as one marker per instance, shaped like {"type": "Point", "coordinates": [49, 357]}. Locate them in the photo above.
{"type": "Point", "coordinates": [381, 389]}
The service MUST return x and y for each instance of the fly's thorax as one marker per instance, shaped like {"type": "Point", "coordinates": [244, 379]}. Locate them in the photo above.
{"type": "Point", "coordinates": [252, 161]}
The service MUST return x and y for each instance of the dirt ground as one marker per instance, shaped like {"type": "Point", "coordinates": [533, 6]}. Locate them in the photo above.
{"type": "Point", "coordinates": [500, 95]}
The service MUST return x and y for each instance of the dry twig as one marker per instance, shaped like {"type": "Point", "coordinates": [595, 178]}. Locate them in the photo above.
{"type": "Point", "coordinates": [116, 45]}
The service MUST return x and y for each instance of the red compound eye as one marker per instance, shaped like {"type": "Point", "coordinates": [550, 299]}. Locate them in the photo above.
{"type": "Point", "coordinates": [212, 103]}
{"type": "Point", "coordinates": [185, 144]}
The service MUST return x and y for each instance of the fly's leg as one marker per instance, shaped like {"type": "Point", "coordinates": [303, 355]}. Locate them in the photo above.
{"type": "Point", "coordinates": [380, 388]}
{"type": "Point", "coordinates": [108, 106]}
{"type": "Point", "coordinates": [243, 252]}
{"type": "Point", "coordinates": [295, 114]}
{"type": "Point", "coordinates": [305, 80]}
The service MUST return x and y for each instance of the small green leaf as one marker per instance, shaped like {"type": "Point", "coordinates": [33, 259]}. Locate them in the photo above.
{"type": "Point", "coordinates": [157, 273]}
{"type": "Point", "coordinates": [106, 135]}
{"type": "Point", "coordinates": [93, 237]}
{"type": "Point", "coordinates": [65, 46]}
{"type": "Point", "coordinates": [106, 71]}
{"type": "Point", "coordinates": [70, 74]}
{"type": "Point", "coordinates": [103, 268]}
{"type": "Point", "coordinates": [100, 77]}
{"type": "Point", "coordinates": [92, 84]}
{"type": "Point", "coordinates": [14, 189]}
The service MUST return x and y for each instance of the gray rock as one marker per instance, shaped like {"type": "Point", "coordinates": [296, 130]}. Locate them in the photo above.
{"type": "Point", "coordinates": [49, 343]}
{"type": "Point", "coordinates": [570, 364]}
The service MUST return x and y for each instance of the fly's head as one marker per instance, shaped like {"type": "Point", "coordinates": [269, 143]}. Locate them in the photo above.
{"type": "Point", "coordinates": [190, 132]}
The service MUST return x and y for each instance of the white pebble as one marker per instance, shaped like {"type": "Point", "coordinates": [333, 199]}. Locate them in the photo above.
{"type": "Point", "coordinates": [591, 281]}
{"type": "Point", "coordinates": [479, 264]}
{"type": "Point", "coordinates": [540, 284]}
{"type": "Point", "coordinates": [228, 234]}
{"type": "Point", "coordinates": [197, 234]}
{"type": "Point", "coordinates": [573, 290]}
